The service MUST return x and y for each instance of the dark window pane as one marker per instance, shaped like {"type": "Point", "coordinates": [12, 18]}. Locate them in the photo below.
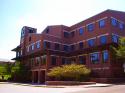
{"type": "Point", "coordinates": [105, 56]}
{"type": "Point", "coordinates": [37, 61]}
{"type": "Point", "coordinates": [121, 26]}
{"type": "Point", "coordinates": [53, 60]}
{"type": "Point", "coordinates": [94, 58]}
{"type": "Point", "coordinates": [65, 61]}
{"type": "Point", "coordinates": [113, 22]}
{"type": "Point", "coordinates": [72, 34]}
{"type": "Point", "coordinates": [46, 44]}
{"type": "Point", "coordinates": [57, 46]}
{"type": "Point", "coordinates": [90, 27]}
{"type": "Point", "coordinates": [81, 30]}
{"type": "Point", "coordinates": [66, 48]}
{"type": "Point", "coordinates": [29, 38]}
{"type": "Point", "coordinates": [82, 59]}
{"type": "Point", "coordinates": [91, 42]}
{"type": "Point", "coordinates": [81, 45]}
{"type": "Point", "coordinates": [115, 38]}
{"type": "Point", "coordinates": [103, 39]}
{"type": "Point", "coordinates": [101, 23]}
{"type": "Point", "coordinates": [30, 30]}
{"type": "Point", "coordinates": [72, 47]}
{"type": "Point", "coordinates": [47, 30]}
{"type": "Point", "coordinates": [66, 34]}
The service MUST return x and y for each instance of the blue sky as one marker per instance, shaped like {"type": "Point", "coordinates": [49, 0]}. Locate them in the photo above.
{"type": "Point", "coordinates": [14, 14]}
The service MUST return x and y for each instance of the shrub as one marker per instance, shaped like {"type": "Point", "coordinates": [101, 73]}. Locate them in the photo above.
{"type": "Point", "coordinates": [70, 72]}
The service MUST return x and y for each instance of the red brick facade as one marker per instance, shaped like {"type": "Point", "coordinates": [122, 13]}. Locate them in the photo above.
{"type": "Point", "coordinates": [87, 43]}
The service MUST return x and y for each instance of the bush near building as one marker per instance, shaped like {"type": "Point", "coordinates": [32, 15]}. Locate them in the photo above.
{"type": "Point", "coordinates": [72, 72]}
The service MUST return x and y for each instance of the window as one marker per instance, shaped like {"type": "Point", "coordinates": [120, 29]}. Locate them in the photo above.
{"type": "Point", "coordinates": [27, 48]}
{"type": "Point", "coordinates": [72, 34]}
{"type": "Point", "coordinates": [121, 25]}
{"type": "Point", "coordinates": [30, 30]}
{"type": "Point", "coordinates": [29, 38]}
{"type": "Point", "coordinates": [105, 56]}
{"type": "Point", "coordinates": [72, 47]}
{"type": "Point", "coordinates": [90, 27]}
{"type": "Point", "coordinates": [115, 38]}
{"type": "Point", "coordinates": [101, 23]}
{"type": "Point", "coordinates": [22, 33]}
{"type": "Point", "coordinates": [32, 61]}
{"type": "Point", "coordinates": [82, 59]}
{"type": "Point", "coordinates": [94, 57]}
{"type": "Point", "coordinates": [113, 21]}
{"type": "Point", "coordinates": [53, 60]}
{"type": "Point", "coordinates": [81, 45]}
{"type": "Point", "coordinates": [21, 52]}
{"type": "Point", "coordinates": [57, 46]}
{"type": "Point", "coordinates": [43, 61]}
{"type": "Point", "coordinates": [81, 30]}
{"type": "Point", "coordinates": [38, 44]}
{"type": "Point", "coordinates": [66, 34]}
{"type": "Point", "coordinates": [47, 30]}
{"type": "Point", "coordinates": [103, 39]}
{"type": "Point", "coordinates": [38, 60]}
{"type": "Point", "coordinates": [46, 44]}
{"type": "Point", "coordinates": [66, 48]}
{"type": "Point", "coordinates": [91, 42]}
{"type": "Point", "coordinates": [17, 54]}
{"type": "Point", "coordinates": [63, 61]}
{"type": "Point", "coordinates": [32, 47]}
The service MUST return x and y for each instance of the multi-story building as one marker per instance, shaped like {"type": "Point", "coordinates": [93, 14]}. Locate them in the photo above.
{"type": "Point", "coordinates": [87, 43]}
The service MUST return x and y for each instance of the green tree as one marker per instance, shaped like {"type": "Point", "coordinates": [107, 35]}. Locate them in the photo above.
{"type": "Point", "coordinates": [2, 71]}
{"type": "Point", "coordinates": [70, 72]}
{"type": "Point", "coordinates": [20, 72]}
{"type": "Point", "coordinates": [8, 68]}
{"type": "Point", "coordinates": [120, 50]}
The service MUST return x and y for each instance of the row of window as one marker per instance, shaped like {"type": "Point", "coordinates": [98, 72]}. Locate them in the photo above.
{"type": "Point", "coordinates": [116, 22]}
{"type": "Point", "coordinates": [33, 45]}
{"type": "Point", "coordinates": [91, 27]}
{"type": "Point", "coordinates": [91, 43]}
{"type": "Point", "coordinates": [38, 61]}
{"type": "Point", "coordinates": [94, 58]}
{"type": "Point", "coordinates": [67, 48]}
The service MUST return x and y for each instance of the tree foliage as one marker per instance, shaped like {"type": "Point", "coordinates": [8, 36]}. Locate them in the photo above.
{"type": "Point", "coordinates": [20, 72]}
{"type": "Point", "coordinates": [15, 71]}
{"type": "Point", "coordinates": [70, 72]}
{"type": "Point", "coordinates": [5, 71]}
{"type": "Point", "coordinates": [120, 50]}
{"type": "Point", "coordinates": [2, 70]}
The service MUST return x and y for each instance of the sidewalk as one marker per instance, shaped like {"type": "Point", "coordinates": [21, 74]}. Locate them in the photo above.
{"type": "Point", "coordinates": [59, 86]}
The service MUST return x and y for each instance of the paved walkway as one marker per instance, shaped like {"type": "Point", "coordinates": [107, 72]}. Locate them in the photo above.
{"type": "Point", "coordinates": [59, 86]}
{"type": "Point", "coordinates": [6, 87]}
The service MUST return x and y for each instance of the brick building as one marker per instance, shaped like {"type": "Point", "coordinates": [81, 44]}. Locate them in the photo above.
{"type": "Point", "coordinates": [87, 43]}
